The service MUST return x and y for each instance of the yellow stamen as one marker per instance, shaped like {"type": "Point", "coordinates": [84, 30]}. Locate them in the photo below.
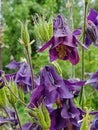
{"type": "Point", "coordinates": [58, 102]}
{"type": "Point", "coordinates": [61, 50]}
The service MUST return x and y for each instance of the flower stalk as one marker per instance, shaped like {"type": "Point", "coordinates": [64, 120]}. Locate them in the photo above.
{"type": "Point", "coordinates": [17, 116]}
{"type": "Point", "coordinates": [30, 63]}
{"type": "Point", "coordinates": [25, 41]}
{"type": "Point", "coordinates": [69, 5]}
{"type": "Point", "coordinates": [81, 101]}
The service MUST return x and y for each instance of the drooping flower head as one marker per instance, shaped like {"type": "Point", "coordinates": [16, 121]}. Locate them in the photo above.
{"type": "Point", "coordinates": [51, 87]}
{"type": "Point", "coordinates": [92, 28]}
{"type": "Point", "coordinates": [23, 75]}
{"type": "Point", "coordinates": [53, 84]}
{"type": "Point", "coordinates": [65, 117]}
{"type": "Point", "coordinates": [63, 42]}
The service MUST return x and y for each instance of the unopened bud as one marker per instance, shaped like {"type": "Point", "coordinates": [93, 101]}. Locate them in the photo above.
{"type": "Point", "coordinates": [92, 31]}
{"type": "Point", "coordinates": [25, 38]}
{"type": "Point", "coordinates": [11, 98]}
{"type": "Point", "coordinates": [2, 98]}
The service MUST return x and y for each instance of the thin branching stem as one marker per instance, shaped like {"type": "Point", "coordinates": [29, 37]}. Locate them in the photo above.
{"type": "Point", "coordinates": [30, 63]}
{"type": "Point", "coordinates": [17, 116]}
{"type": "Point", "coordinates": [81, 101]}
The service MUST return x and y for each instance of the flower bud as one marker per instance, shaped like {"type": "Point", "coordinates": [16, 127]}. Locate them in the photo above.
{"type": "Point", "coordinates": [92, 31]}
{"type": "Point", "coordinates": [41, 115]}
{"type": "Point", "coordinates": [2, 98]}
{"type": "Point", "coordinates": [25, 38]}
{"type": "Point", "coordinates": [11, 98]}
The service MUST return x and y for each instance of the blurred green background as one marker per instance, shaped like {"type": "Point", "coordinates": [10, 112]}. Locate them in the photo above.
{"type": "Point", "coordinates": [13, 10]}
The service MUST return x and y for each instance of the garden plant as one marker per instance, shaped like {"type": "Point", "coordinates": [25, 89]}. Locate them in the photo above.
{"type": "Point", "coordinates": [49, 100]}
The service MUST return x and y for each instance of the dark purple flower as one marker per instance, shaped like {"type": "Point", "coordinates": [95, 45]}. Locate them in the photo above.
{"type": "Point", "coordinates": [63, 43]}
{"type": "Point", "coordinates": [92, 28]}
{"type": "Point", "coordinates": [52, 88]}
{"type": "Point", "coordinates": [65, 117]}
{"type": "Point", "coordinates": [93, 80]}
{"type": "Point", "coordinates": [23, 76]}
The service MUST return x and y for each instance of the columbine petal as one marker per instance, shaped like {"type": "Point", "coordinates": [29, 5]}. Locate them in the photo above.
{"type": "Point", "coordinates": [45, 46]}
{"type": "Point", "coordinates": [13, 65]}
{"type": "Point", "coordinates": [93, 80]}
{"type": "Point", "coordinates": [92, 15]}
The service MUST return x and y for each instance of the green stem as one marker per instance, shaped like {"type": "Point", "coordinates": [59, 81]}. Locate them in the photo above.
{"type": "Point", "coordinates": [72, 28]}
{"type": "Point", "coordinates": [17, 116]}
{"type": "Point", "coordinates": [81, 101]}
{"type": "Point", "coordinates": [6, 113]}
{"type": "Point", "coordinates": [30, 63]}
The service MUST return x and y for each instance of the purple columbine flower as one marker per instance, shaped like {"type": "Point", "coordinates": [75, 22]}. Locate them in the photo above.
{"type": "Point", "coordinates": [52, 88]}
{"type": "Point", "coordinates": [92, 28]}
{"type": "Point", "coordinates": [93, 80]}
{"type": "Point", "coordinates": [23, 75]}
{"type": "Point", "coordinates": [63, 42]}
{"type": "Point", "coordinates": [65, 117]}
